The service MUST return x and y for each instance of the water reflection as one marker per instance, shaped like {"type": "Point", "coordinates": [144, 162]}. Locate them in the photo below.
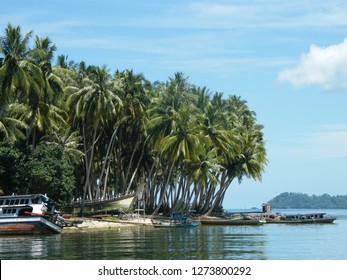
{"type": "Point", "coordinates": [272, 241]}
{"type": "Point", "coordinates": [140, 243]}
{"type": "Point", "coordinates": [221, 242]}
{"type": "Point", "coordinates": [23, 247]}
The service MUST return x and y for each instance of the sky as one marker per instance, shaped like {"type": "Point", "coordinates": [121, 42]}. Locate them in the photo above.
{"type": "Point", "coordinates": [287, 59]}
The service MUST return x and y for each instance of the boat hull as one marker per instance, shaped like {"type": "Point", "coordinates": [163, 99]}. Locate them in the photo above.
{"type": "Point", "coordinates": [28, 225]}
{"type": "Point", "coordinates": [284, 220]}
{"type": "Point", "coordinates": [105, 206]}
{"type": "Point", "coordinates": [177, 225]}
{"type": "Point", "coordinates": [231, 222]}
{"type": "Point", "coordinates": [318, 221]}
{"type": "Point", "coordinates": [278, 221]}
{"type": "Point", "coordinates": [296, 222]}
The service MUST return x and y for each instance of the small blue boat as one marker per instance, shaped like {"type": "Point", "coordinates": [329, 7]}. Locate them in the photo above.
{"type": "Point", "coordinates": [178, 219]}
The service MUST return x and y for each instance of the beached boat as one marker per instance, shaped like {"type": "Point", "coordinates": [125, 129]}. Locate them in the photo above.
{"type": "Point", "coordinates": [276, 217]}
{"type": "Point", "coordinates": [105, 206]}
{"type": "Point", "coordinates": [178, 219]}
{"type": "Point", "coordinates": [29, 214]}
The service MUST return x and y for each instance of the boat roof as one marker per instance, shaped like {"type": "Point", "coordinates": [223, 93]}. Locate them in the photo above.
{"type": "Point", "coordinates": [23, 195]}
{"type": "Point", "coordinates": [306, 214]}
{"type": "Point", "coordinates": [20, 196]}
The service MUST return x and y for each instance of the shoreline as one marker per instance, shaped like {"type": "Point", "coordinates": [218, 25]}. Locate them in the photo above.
{"type": "Point", "coordinates": [92, 223]}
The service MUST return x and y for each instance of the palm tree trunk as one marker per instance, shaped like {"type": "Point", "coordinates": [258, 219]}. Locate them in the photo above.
{"type": "Point", "coordinates": [135, 171]}
{"type": "Point", "coordinates": [150, 186]}
{"type": "Point", "coordinates": [131, 162]}
{"type": "Point", "coordinates": [88, 162]}
{"type": "Point", "coordinates": [107, 159]}
{"type": "Point", "coordinates": [184, 199]}
{"type": "Point", "coordinates": [161, 199]}
{"type": "Point", "coordinates": [219, 197]}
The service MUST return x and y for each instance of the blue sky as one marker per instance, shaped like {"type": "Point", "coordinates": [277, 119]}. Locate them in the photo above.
{"type": "Point", "coordinates": [287, 59]}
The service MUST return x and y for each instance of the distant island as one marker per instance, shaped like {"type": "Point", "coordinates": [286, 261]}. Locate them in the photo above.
{"type": "Point", "coordinates": [291, 200]}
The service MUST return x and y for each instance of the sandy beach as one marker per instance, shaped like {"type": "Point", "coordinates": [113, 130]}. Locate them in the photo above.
{"type": "Point", "coordinates": [90, 223]}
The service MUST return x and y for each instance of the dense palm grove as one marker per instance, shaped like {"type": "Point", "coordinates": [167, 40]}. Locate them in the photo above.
{"type": "Point", "coordinates": [78, 131]}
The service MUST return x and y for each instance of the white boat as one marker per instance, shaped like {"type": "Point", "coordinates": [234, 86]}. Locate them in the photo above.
{"type": "Point", "coordinates": [112, 205]}
{"type": "Point", "coordinates": [29, 214]}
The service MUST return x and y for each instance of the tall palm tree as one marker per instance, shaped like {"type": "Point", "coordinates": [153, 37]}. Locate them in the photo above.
{"type": "Point", "coordinates": [14, 71]}
{"type": "Point", "coordinates": [45, 114]}
{"type": "Point", "coordinates": [133, 131]}
{"type": "Point", "coordinates": [173, 129]}
{"type": "Point", "coordinates": [250, 158]}
{"type": "Point", "coordinates": [94, 104]}
{"type": "Point", "coordinates": [171, 96]}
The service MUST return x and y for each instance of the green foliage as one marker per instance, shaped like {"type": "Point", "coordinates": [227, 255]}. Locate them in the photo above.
{"type": "Point", "coordinates": [10, 159]}
{"type": "Point", "coordinates": [49, 172]}
{"type": "Point", "coordinates": [304, 201]}
{"type": "Point", "coordinates": [40, 170]}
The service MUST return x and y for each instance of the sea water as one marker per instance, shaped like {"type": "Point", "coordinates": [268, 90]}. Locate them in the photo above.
{"type": "Point", "coordinates": [267, 242]}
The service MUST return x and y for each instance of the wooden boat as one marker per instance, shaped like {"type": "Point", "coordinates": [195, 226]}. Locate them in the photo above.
{"type": "Point", "coordinates": [160, 223]}
{"type": "Point", "coordinates": [178, 219]}
{"type": "Point", "coordinates": [110, 206]}
{"type": "Point", "coordinates": [70, 222]}
{"type": "Point", "coordinates": [29, 214]}
{"type": "Point", "coordinates": [232, 221]}
{"type": "Point", "coordinates": [309, 218]}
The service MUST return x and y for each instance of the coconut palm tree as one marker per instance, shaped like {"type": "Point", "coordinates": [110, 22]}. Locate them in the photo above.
{"type": "Point", "coordinates": [12, 124]}
{"type": "Point", "coordinates": [69, 140]}
{"type": "Point", "coordinates": [14, 71]}
{"type": "Point", "coordinates": [132, 131]}
{"type": "Point", "coordinates": [175, 133]}
{"type": "Point", "coordinates": [249, 159]}
{"type": "Point", "coordinates": [93, 103]}
{"type": "Point", "coordinates": [45, 114]}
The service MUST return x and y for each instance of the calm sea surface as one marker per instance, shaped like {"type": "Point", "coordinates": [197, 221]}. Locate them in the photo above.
{"type": "Point", "coordinates": [268, 242]}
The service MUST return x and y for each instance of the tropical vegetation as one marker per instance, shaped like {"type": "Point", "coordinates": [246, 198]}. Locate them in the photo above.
{"type": "Point", "coordinates": [176, 144]}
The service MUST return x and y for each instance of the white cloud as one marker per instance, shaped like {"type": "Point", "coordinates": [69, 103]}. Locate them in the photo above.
{"type": "Point", "coordinates": [322, 66]}
{"type": "Point", "coordinates": [266, 14]}
{"type": "Point", "coordinates": [327, 142]}
{"type": "Point", "coordinates": [217, 10]}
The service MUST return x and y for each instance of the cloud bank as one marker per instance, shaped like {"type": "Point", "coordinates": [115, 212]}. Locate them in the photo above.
{"type": "Point", "coordinates": [325, 67]}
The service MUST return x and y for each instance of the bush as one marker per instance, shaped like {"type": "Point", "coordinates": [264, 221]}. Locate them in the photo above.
{"type": "Point", "coordinates": [36, 170]}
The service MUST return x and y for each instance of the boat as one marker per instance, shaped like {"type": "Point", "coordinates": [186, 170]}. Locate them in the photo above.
{"type": "Point", "coordinates": [29, 214]}
{"type": "Point", "coordinates": [69, 221]}
{"type": "Point", "coordinates": [308, 218]}
{"type": "Point", "coordinates": [103, 206]}
{"type": "Point", "coordinates": [234, 220]}
{"type": "Point", "coordinates": [178, 219]}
